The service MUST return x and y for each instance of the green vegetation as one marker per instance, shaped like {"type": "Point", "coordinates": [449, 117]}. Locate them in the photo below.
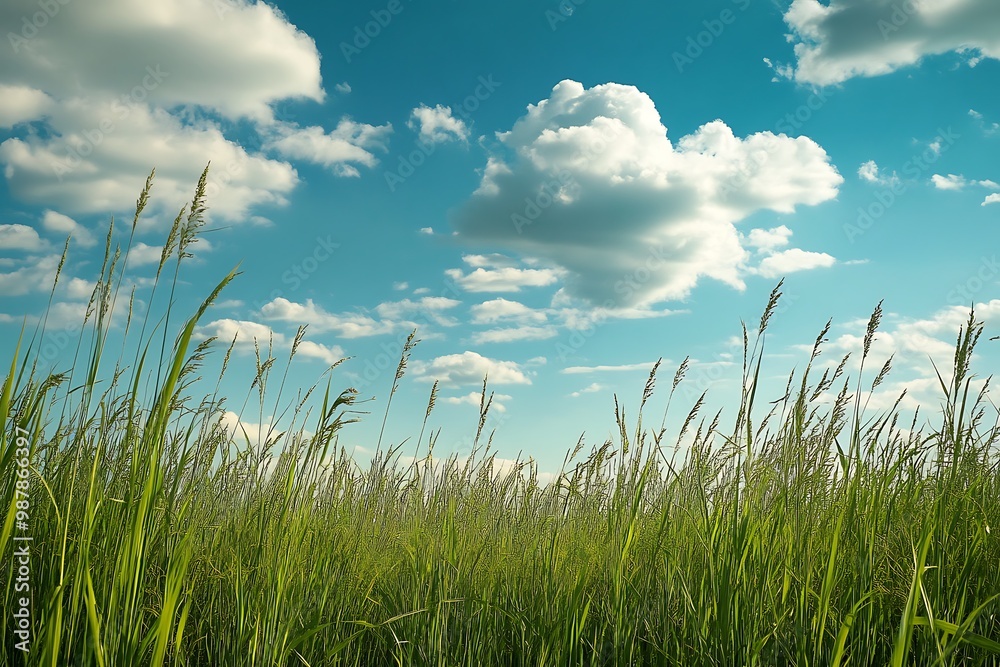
{"type": "Point", "coordinates": [807, 532]}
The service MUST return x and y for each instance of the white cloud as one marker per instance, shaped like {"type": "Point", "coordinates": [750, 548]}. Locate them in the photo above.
{"type": "Point", "coordinates": [21, 103]}
{"type": "Point", "coordinates": [577, 370]}
{"type": "Point", "coordinates": [491, 261]}
{"type": "Point", "coordinates": [959, 182]}
{"type": "Point", "coordinates": [109, 119]}
{"type": "Point", "coordinates": [326, 354]}
{"type": "Point", "coordinates": [246, 332]}
{"type": "Point", "coordinates": [504, 310]}
{"type": "Point", "coordinates": [768, 240]}
{"type": "Point", "coordinates": [237, 57]}
{"type": "Point", "coordinates": [848, 38]}
{"type": "Point", "coordinates": [347, 325]}
{"type": "Point", "coordinates": [792, 260]}
{"type": "Point", "coordinates": [502, 280]}
{"type": "Point", "coordinates": [343, 87]}
{"type": "Point", "coordinates": [515, 334]}
{"type": "Point", "coordinates": [71, 171]}
{"type": "Point", "coordinates": [141, 254]}
{"type": "Point", "coordinates": [400, 286]}
{"type": "Point", "coordinates": [475, 398]}
{"type": "Point", "coordinates": [869, 172]}
{"type": "Point", "coordinates": [595, 186]}
{"type": "Point", "coordinates": [63, 224]}
{"type": "Point", "coordinates": [348, 143]}
{"type": "Point", "coordinates": [589, 389]}
{"type": "Point", "coordinates": [949, 182]}
{"type": "Point", "coordinates": [427, 230]}
{"type": "Point", "coordinates": [469, 368]}
{"type": "Point", "coordinates": [429, 307]}
{"type": "Point", "coordinates": [991, 199]}
{"type": "Point", "coordinates": [20, 237]}
{"type": "Point", "coordinates": [437, 125]}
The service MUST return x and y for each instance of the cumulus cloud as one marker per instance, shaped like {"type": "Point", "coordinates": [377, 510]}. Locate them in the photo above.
{"type": "Point", "coordinates": [336, 150]}
{"type": "Point", "coordinates": [246, 332]}
{"type": "Point", "coordinates": [141, 254]}
{"type": "Point", "coordinates": [20, 237]}
{"type": "Point", "coordinates": [593, 185]}
{"type": "Point", "coordinates": [21, 103]}
{"type": "Point", "coordinates": [436, 125]}
{"type": "Point", "coordinates": [469, 368]}
{"type": "Point", "coordinates": [194, 68]}
{"type": "Point", "coordinates": [843, 39]}
{"type": "Point", "coordinates": [991, 199]}
{"type": "Point", "coordinates": [504, 310]}
{"type": "Point", "coordinates": [768, 240]}
{"type": "Point", "coordinates": [63, 224]}
{"type": "Point", "coordinates": [347, 325]}
{"type": "Point", "coordinates": [792, 260]}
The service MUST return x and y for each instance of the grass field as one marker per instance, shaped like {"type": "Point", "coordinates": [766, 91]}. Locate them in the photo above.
{"type": "Point", "coordinates": [806, 532]}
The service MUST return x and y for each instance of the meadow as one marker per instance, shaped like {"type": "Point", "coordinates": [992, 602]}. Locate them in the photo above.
{"type": "Point", "coordinates": [809, 531]}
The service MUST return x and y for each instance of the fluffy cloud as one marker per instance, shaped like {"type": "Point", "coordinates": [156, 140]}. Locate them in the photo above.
{"type": "Point", "coordinates": [792, 260]}
{"type": "Point", "coordinates": [336, 150]}
{"type": "Point", "coordinates": [141, 254]}
{"type": "Point", "coordinates": [20, 237]}
{"type": "Point", "coordinates": [991, 199]}
{"type": "Point", "coordinates": [504, 310]}
{"type": "Point", "coordinates": [848, 38]}
{"type": "Point", "coordinates": [502, 280]}
{"type": "Point", "coordinates": [959, 182]}
{"type": "Point", "coordinates": [347, 325]}
{"type": "Point", "coordinates": [469, 368]}
{"type": "Point", "coordinates": [21, 103]}
{"type": "Point", "coordinates": [869, 172]}
{"type": "Point", "coordinates": [476, 398]}
{"type": "Point", "coordinates": [768, 240]}
{"type": "Point", "coordinates": [107, 120]}
{"type": "Point", "coordinates": [237, 57]}
{"type": "Point", "coordinates": [247, 332]}
{"type": "Point", "coordinates": [437, 125]}
{"type": "Point", "coordinates": [63, 224]}
{"type": "Point", "coordinates": [595, 186]}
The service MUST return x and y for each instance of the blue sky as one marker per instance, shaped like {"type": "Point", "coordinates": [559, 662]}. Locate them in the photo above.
{"type": "Point", "coordinates": [555, 193]}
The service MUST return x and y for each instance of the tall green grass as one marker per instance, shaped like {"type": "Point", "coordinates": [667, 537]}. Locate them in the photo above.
{"type": "Point", "coordinates": [803, 532]}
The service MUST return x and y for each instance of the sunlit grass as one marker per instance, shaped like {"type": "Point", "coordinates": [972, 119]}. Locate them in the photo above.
{"type": "Point", "coordinates": [806, 532]}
